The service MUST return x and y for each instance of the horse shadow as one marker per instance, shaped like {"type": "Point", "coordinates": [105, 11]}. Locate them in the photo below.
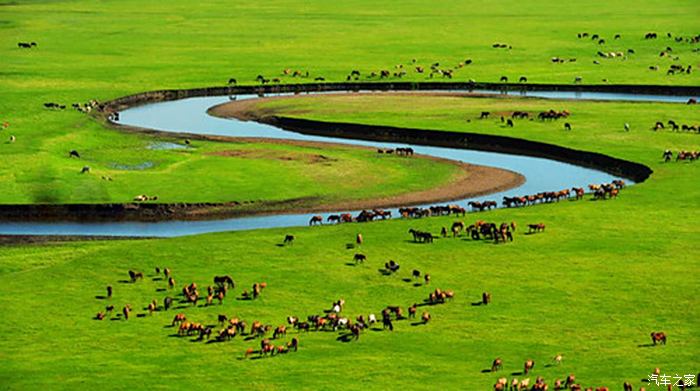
{"type": "Point", "coordinates": [477, 303]}
{"type": "Point", "coordinates": [157, 279]}
{"type": "Point", "coordinates": [215, 340]}
{"type": "Point", "coordinates": [244, 298]}
{"type": "Point", "coordinates": [417, 284]}
{"type": "Point", "coordinates": [418, 323]}
{"type": "Point", "coordinates": [161, 290]}
{"type": "Point", "coordinates": [384, 272]}
{"type": "Point", "coordinates": [279, 244]}
{"type": "Point", "coordinates": [115, 319]}
{"type": "Point", "coordinates": [486, 371]}
{"type": "Point", "coordinates": [347, 337]}
{"type": "Point", "coordinates": [516, 373]}
{"type": "Point", "coordinates": [140, 315]}
{"type": "Point", "coordinates": [124, 281]}
{"type": "Point", "coordinates": [349, 246]}
{"type": "Point", "coordinates": [646, 345]}
{"type": "Point", "coordinates": [350, 264]}
{"type": "Point", "coordinates": [100, 297]}
{"type": "Point", "coordinates": [406, 280]}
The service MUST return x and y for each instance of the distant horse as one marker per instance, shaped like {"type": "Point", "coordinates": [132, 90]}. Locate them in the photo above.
{"type": "Point", "coordinates": [289, 239]}
{"type": "Point", "coordinates": [224, 281]}
{"type": "Point", "coordinates": [135, 275]}
{"type": "Point", "coordinates": [318, 219]}
{"type": "Point", "coordinates": [658, 337]}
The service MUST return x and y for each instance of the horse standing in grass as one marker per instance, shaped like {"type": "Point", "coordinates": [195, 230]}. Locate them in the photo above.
{"type": "Point", "coordinates": [659, 337]}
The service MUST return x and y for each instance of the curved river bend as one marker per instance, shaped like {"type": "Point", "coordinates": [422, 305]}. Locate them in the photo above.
{"type": "Point", "coordinates": [190, 115]}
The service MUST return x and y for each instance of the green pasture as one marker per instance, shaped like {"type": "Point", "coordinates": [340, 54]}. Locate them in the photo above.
{"type": "Point", "coordinates": [592, 287]}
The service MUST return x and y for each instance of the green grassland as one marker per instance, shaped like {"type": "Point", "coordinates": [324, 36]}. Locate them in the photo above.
{"type": "Point", "coordinates": [591, 287]}
{"type": "Point", "coordinates": [213, 172]}
{"type": "Point", "coordinates": [108, 49]}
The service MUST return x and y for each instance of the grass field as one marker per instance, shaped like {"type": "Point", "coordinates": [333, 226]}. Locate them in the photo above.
{"type": "Point", "coordinates": [84, 52]}
{"type": "Point", "coordinates": [592, 287]}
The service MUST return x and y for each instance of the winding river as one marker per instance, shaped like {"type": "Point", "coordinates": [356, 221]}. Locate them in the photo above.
{"type": "Point", "coordinates": [190, 115]}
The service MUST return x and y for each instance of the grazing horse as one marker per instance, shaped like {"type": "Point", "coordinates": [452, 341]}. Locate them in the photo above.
{"type": "Point", "coordinates": [74, 153]}
{"type": "Point", "coordinates": [484, 114]}
{"type": "Point", "coordinates": [126, 310]}
{"type": "Point", "coordinates": [109, 291]}
{"type": "Point", "coordinates": [334, 218]}
{"type": "Point", "coordinates": [412, 310]}
{"type": "Point", "coordinates": [294, 344]}
{"type": "Point", "coordinates": [529, 364]}
{"type": "Point", "coordinates": [360, 258]}
{"type": "Point", "coordinates": [523, 79]}
{"type": "Point", "coordinates": [167, 302]}
{"type": "Point", "coordinates": [288, 239]}
{"type": "Point", "coordinates": [485, 298]}
{"type": "Point", "coordinates": [135, 275]}
{"type": "Point", "coordinates": [318, 219]}
{"type": "Point", "coordinates": [567, 126]}
{"type": "Point", "coordinates": [425, 317]}
{"type": "Point", "coordinates": [279, 331]}
{"type": "Point", "coordinates": [222, 281]}
{"type": "Point", "coordinates": [535, 227]}
{"type": "Point", "coordinates": [457, 227]}
{"type": "Point", "coordinates": [497, 364]}
{"type": "Point", "coordinates": [658, 337]}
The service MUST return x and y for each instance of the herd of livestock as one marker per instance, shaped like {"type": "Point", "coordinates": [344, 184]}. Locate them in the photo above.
{"type": "Point", "coordinates": [436, 69]}
{"type": "Point", "coordinates": [599, 191]}
{"type": "Point", "coordinates": [229, 327]}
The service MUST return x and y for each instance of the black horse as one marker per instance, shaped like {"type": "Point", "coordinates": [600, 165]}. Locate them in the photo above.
{"type": "Point", "coordinates": [224, 280]}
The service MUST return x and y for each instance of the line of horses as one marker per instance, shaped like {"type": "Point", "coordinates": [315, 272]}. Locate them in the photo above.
{"type": "Point", "coordinates": [408, 151]}
{"type": "Point", "coordinates": [674, 126]}
{"type": "Point", "coordinates": [600, 191]}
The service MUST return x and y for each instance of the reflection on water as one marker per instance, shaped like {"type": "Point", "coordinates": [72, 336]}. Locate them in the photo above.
{"type": "Point", "coordinates": [189, 115]}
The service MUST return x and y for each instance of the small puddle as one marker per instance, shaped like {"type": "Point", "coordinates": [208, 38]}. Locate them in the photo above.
{"type": "Point", "coordinates": [132, 167]}
{"type": "Point", "coordinates": [164, 145]}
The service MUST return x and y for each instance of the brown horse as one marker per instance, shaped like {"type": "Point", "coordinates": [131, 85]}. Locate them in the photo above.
{"type": "Point", "coordinates": [658, 337]}
{"type": "Point", "coordinates": [497, 364]}
{"type": "Point", "coordinates": [529, 364]}
{"type": "Point", "coordinates": [318, 219]}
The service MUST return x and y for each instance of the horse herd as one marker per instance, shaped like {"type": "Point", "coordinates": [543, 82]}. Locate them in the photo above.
{"type": "Point", "coordinates": [674, 126]}
{"type": "Point", "coordinates": [332, 319]}
{"type": "Point", "coordinates": [599, 191]}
